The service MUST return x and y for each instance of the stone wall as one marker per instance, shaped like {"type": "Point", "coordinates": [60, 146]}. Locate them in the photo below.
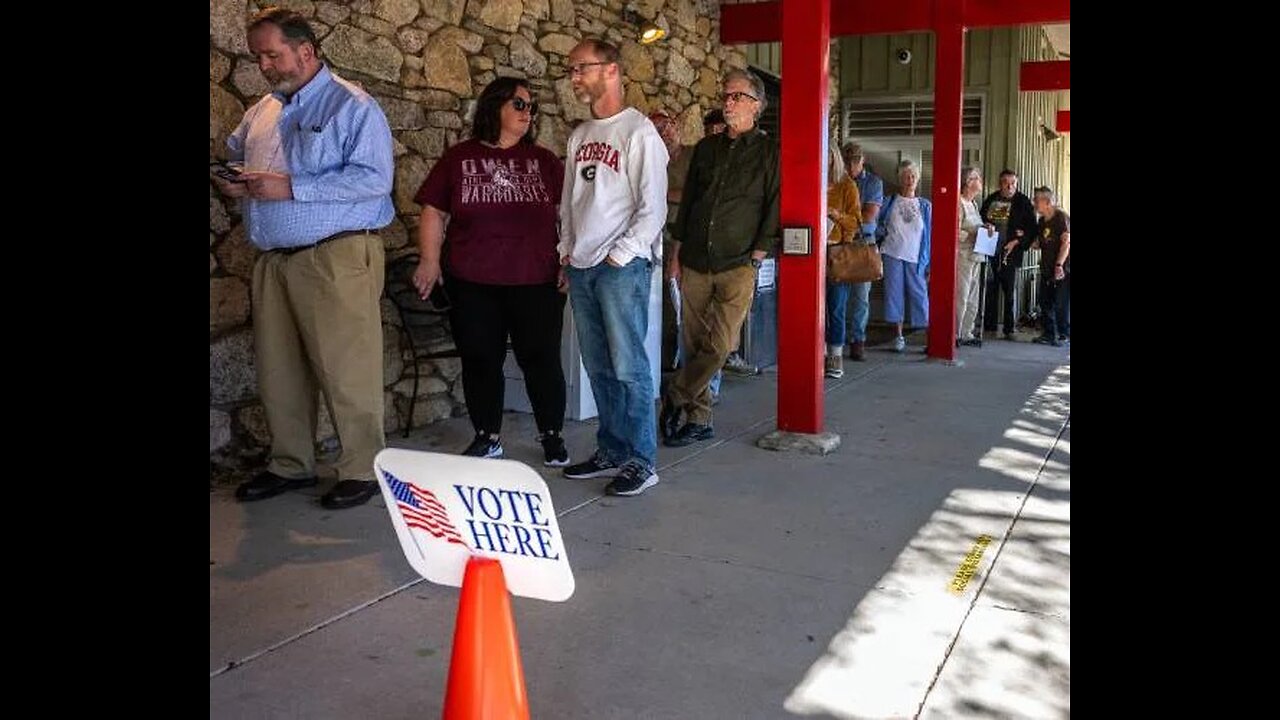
{"type": "Point", "coordinates": [426, 62]}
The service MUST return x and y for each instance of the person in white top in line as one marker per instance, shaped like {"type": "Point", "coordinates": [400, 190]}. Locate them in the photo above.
{"type": "Point", "coordinates": [968, 262]}
{"type": "Point", "coordinates": [904, 230]}
{"type": "Point", "coordinates": [612, 210]}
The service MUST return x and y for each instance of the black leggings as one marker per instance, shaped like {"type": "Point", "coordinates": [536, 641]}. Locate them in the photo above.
{"type": "Point", "coordinates": [481, 317]}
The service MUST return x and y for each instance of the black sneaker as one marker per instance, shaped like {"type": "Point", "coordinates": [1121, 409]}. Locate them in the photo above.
{"type": "Point", "coordinates": [1047, 340]}
{"type": "Point", "coordinates": [593, 468]}
{"type": "Point", "coordinates": [484, 446]}
{"type": "Point", "coordinates": [553, 450]}
{"type": "Point", "coordinates": [632, 480]}
{"type": "Point", "coordinates": [689, 434]}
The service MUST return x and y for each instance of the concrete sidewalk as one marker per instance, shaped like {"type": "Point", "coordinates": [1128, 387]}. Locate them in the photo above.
{"type": "Point", "coordinates": [923, 569]}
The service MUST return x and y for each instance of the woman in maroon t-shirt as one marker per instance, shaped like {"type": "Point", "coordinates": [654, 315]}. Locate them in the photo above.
{"type": "Point", "coordinates": [498, 193]}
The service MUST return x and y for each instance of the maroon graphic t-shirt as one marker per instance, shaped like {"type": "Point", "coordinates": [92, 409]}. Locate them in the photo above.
{"type": "Point", "coordinates": [502, 211]}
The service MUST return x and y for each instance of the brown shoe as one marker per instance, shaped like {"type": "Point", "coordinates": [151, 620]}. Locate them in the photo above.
{"type": "Point", "coordinates": [857, 351]}
{"type": "Point", "coordinates": [833, 366]}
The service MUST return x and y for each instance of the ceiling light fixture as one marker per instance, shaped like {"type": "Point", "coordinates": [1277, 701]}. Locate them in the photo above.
{"type": "Point", "coordinates": [650, 32]}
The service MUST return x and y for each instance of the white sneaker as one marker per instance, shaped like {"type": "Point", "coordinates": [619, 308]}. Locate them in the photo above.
{"type": "Point", "coordinates": [738, 366]}
{"type": "Point", "coordinates": [899, 344]}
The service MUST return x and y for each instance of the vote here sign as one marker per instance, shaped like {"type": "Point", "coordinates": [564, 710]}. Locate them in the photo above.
{"type": "Point", "coordinates": [446, 508]}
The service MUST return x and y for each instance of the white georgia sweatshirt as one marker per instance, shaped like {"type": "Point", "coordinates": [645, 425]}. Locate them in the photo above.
{"type": "Point", "coordinates": [614, 200]}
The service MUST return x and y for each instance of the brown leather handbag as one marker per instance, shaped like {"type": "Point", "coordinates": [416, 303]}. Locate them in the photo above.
{"type": "Point", "coordinates": [853, 262]}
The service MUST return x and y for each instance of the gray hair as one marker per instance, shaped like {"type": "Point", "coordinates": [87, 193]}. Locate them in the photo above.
{"type": "Point", "coordinates": [968, 170]}
{"type": "Point", "coordinates": [1048, 191]}
{"type": "Point", "coordinates": [757, 86]}
{"type": "Point", "coordinates": [906, 165]}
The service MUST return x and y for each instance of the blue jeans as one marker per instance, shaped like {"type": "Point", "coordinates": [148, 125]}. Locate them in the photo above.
{"type": "Point", "coordinates": [837, 299]}
{"type": "Point", "coordinates": [611, 311]}
{"type": "Point", "coordinates": [859, 310]}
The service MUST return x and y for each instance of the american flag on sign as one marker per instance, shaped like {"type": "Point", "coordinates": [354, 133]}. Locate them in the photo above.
{"type": "Point", "coordinates": [420, 509]}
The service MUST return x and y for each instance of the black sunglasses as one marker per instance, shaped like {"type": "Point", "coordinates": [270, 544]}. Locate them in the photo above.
{"type": "Point", "coordinates": [520, 105]}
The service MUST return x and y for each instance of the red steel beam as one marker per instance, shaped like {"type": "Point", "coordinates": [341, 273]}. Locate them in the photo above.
{"type": "Point", "coordinates": [876, 18]}
{"type": "Point", "coordinates": [948, 93]}
{"type": "Point", "coordinates": [751, 23]}
{"type": "Point", "coordinates": [1063, 121]}
{"type": "Point", "coordinates": [1045, 75]}
{"type": "Point", "coordinates": [1003, 13]}
{"type": "Point", "coordinates": [806, 33]}
{"type": "Point", "coordinates": [762, 22]}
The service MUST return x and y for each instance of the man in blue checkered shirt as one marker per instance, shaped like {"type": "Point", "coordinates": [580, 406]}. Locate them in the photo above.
{"type": "Point", "coordinates": [315, 189]}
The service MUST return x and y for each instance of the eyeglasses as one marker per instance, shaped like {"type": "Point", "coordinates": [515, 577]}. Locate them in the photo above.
{"type": "Point", "coordinates": [582, 67]}
{"type": "Point", "coordinates": [737, 97]}
{"type": "Point", "coordinates": [521, 105]}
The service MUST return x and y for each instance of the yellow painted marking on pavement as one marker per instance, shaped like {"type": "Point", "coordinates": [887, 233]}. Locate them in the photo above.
{"type": "Point", "coordinates": [969, 566]}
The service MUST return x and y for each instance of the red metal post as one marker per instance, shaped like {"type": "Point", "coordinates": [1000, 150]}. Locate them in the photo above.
{"type": "Point", "coordinates": [1045, 75]}
{"type": "Point", "coordinates": [948, 92]}
{"type": "Point", "coordinates": [1063, 121]}
{"type": "Point", "coordinates": [806, 50]}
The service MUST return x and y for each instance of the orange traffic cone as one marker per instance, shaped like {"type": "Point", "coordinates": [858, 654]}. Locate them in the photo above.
{"type": "Point", "coordinates": [486, 680]}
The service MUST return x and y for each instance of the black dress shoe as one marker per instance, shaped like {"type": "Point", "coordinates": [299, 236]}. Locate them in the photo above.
{"type": "Point", "coordinates": [268, 484]}
{"type": "Point", "coordinates": [668, 420]}
{"type": "Point", "coordinates": [689, 434]}
{"type": "Point", "coordinates": [349, 493]}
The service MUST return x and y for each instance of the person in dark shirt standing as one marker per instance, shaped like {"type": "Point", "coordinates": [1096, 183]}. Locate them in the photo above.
{"type": "Point", "coordinates": [1013, 216]}
{"type": "Point", "coordinates": [499, 193]}
{"type": "Point", "coordinates": [727, 224]}
{"type": "Point", "coordinates": [1053, 237]}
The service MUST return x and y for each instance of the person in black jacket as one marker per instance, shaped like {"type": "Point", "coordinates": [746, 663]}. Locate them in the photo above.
{"type": "Point", "coordinates": [1015, 218]}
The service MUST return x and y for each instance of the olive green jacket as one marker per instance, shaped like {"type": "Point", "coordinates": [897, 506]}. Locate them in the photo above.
{"type": "Point", "coordinates": [730, 202]}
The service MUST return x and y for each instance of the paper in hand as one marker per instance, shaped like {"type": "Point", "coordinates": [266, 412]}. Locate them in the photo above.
{"type": "Point", "coordinates": [985, 242]}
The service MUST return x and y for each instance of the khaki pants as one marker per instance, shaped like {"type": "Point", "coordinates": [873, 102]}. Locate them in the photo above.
{"type": "Point", "coordinates": [967, 266]}
{"type": "Point", "coordinates": [318, 329]}
{"type": "Point", "coordinates": [713, 308]}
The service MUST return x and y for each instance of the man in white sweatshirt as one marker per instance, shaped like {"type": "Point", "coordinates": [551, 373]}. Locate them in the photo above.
{"type": "Point", "coordinates": [612, 211]}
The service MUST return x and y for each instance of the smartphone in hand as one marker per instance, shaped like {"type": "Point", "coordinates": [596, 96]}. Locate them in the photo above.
{"type": "Point", "coordinates": [229, 171]}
